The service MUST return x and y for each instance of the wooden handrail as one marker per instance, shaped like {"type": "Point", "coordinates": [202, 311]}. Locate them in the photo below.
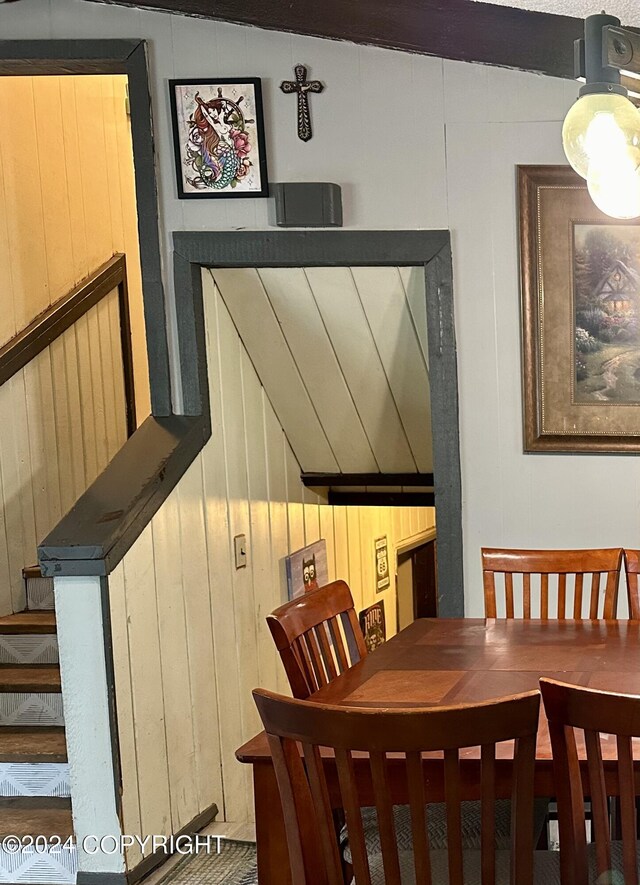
{"type": "Point", "coordinates": [59, 317]}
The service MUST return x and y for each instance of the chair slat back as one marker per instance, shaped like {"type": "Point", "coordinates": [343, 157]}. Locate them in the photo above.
{"type": "Point", "coordinates": [551, 583]}
{"type": "Point", "coordinates": [318, 637]}
{"type": "Point", "coordinates": [632, 569]}
{"type": "Point", "coordinates": [596, 714]}
{"type": "Point", "coordinates": [383, 747]}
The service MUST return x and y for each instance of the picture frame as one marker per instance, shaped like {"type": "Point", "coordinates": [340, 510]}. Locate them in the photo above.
{"type": "Point", "coordinates": [218, 137]}
{"type": "Point", "coordinates": [580, 299]}
{"type": "Point", "coordinates": [307, 569]}
{"type": "Point", "coordinates": [373, 625]}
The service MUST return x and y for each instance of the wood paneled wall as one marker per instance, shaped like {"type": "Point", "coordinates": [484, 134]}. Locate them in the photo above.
{"type": "Point", "coordinates": [67, 204]}
{"type": "Point", "coordinates": [342, 354]}
{"type": "Point", "coordinates": [180, 608]}
{"type": "Point", "coordinates": [67, 196]}
{"type": "Point", "coordinates": [62, 419]}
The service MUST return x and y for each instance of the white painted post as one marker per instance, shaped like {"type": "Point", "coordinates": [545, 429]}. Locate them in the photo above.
{"type": "Point", "coordinates": [87, 722]}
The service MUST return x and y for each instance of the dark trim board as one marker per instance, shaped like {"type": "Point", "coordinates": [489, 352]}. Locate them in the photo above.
{"type": "Point", "coordinates": [431, 249]}
{"type": "Point", "coordinates": [109, 517]}
{"type": "Point", "coordinates": [59, 57]}
{"type": "Point", "coordinates": [59, 317]}
{"type": "Point", "coordinates": [101, 879]}
{"type": "Point", "coordinates": [381, 499]}
{"type": "Point", "coordinates": [322, 248]}
{"type": "Point", "coordinates": [455, 29]}
{"type": "Point", "coordinates": [316, 480]}
{"type": "Point", "coordinates": [158, 857]}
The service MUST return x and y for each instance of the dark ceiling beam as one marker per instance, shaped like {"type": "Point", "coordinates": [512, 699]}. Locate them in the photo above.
{"type": "Point", "coordinates": [455, 29]}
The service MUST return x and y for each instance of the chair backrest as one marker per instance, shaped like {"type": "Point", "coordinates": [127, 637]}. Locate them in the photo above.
{"type": "Point", "coordinates": [526, 575]}
{"type": "Point", "coordinates": [595, 713]}
{"type": "Point", "coordinates": [632, 569]}
{"type": "Point", "coordinates": [318, 637]}
{"type": "Point", "coordinates": [406, 733]}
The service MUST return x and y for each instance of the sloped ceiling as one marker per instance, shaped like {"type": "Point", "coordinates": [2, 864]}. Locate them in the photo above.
{"type": "Point", "coordinates": [342, 355]}
{"type": "Point", "coordinates": [628, 11]}
{"type": "Point", "coordinates": [453, 29]}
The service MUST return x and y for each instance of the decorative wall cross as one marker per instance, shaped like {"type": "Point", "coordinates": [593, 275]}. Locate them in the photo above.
{"type": "Point", "coordinates": [303, 87]}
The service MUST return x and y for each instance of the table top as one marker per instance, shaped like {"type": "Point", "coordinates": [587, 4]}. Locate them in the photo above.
{"type": "Point", "coordinates": [443, 662]}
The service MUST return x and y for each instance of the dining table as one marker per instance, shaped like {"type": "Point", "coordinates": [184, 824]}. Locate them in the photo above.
{"type": "Point", "coordinates": [445, 662]}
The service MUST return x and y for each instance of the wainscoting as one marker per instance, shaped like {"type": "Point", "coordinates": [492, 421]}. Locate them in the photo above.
{"type": "Point", "coordinates": [181, 609]}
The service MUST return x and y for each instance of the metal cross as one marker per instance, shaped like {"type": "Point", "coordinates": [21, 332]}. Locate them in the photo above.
{"type": "Point", "coordinates": [303, 87]}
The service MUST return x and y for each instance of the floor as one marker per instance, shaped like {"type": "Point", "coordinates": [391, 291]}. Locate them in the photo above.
{"type": "Point", "coordinates": [235, 865]}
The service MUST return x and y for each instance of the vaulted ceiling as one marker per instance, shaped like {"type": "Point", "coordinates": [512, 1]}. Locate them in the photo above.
{"type": "Point", "coordinates": [342, 355]}
{"type": "Point", "coordinates": [628, 11]}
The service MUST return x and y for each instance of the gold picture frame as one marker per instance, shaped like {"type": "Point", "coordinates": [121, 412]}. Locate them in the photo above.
{"type": "Point", "coordinates": [580, 286]}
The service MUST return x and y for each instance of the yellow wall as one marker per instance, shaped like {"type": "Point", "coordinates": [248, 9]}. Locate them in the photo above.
{"type": "Point", "coordinates": [67, 204]}
{"type": "Point", "coordinates": [67, 197]}
{"type": "Point", "coordinates": [62, 419]}
{"type": "Point", "coordinates": [180, 608]}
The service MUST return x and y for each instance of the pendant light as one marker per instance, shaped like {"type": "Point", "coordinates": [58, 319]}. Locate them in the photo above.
{"type": "Point", "coordinates": [601, 132]}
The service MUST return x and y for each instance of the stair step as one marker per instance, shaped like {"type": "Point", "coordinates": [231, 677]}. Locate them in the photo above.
{"type": "Point", "coordinates": [25, 679]}
{"type": "Point", "coordinates": [29, 622]}
{"type": "Point", "coordinates": [41, 779]}
{"type": "Point", "coordinates": [22, 649]}
{"type": "Point", "coordinates": [40, 595]}
{"type": "Point", "coordinates": [36, 817]}
{"type": "Point", "coordinates": [33, 745]}
{"type": "Point", "coordinates": [40, 709]}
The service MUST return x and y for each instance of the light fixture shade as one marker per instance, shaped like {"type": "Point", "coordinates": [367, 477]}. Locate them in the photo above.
{"type": "Point", "coordinates": [599, 128]}
{"type": "Point", "coordinates": [615, 186]}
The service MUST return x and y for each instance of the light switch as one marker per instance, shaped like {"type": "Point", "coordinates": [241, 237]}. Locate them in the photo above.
{"type": "Point", "coordinates": [240, 544]}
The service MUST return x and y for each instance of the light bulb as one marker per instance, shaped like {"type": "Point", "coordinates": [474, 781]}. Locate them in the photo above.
{"type": "Point", "coordinates": [598, 127]}
{"type": "Point", "coordinates": [614, 185]}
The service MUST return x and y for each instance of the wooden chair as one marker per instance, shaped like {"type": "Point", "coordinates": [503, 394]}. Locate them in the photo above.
{"type": "Point", "coordinates": [595, 713]}
{"type": "Point", "coordinates": [318, 637]}
{"type": "Point", "coordinates": [305, 793]}
{"type": "Point", "coordinates": [632, 570]}
{"type": "Point", "coordinates": [602, 565]}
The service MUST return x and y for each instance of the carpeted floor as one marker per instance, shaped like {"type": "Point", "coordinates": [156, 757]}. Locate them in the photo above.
{"type": "Point", "coordinates": [235, 865]}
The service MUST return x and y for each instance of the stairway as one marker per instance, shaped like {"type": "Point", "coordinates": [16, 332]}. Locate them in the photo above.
{"type": "Point", "coordinates": [34, 774]}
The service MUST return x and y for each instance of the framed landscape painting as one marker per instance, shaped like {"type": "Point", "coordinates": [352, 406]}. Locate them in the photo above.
{"type": "Point", "coordinates": [218, 134]}
{"type": "Point", "coordinates": [580, 272]}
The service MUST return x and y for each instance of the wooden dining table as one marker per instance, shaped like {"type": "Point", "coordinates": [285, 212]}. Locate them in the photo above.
{"type": "Point", "coordinates": [443, 662]}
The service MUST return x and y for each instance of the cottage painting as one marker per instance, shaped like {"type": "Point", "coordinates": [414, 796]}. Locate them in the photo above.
{"type": "Point", "coordinates": [606, 273]}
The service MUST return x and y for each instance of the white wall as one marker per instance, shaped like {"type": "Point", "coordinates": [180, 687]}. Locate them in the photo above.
{"type": "Point", "coordinates": [458, 130]}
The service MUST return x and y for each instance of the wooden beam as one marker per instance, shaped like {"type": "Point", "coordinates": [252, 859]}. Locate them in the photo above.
{"type": "Point", "coordinates": [457, 29]}
{"type": "Point", "coordinates": [312, 480]}
{"type": "Point", "coordinates": [381, 499]}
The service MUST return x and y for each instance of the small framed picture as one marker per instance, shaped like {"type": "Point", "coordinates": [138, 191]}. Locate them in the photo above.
{"type": "Point", "coordinates": [218, 133]}
{"type": "Point", "coordinates": [373, 626]}
{"type": "Point", "coordinates": [307, 569]}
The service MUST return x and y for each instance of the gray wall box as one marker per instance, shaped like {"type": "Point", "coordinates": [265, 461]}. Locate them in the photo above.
{"type": "Point", "coordinates": [307, 204]}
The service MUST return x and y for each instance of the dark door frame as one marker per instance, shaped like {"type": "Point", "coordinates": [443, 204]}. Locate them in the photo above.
{"type": "Point", "coordinates": [30, 58]}
{"type": "Point", "coordinates": [194, 251]}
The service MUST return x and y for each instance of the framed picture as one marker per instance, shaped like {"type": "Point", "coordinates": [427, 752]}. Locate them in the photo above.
{"type": "Point", "coordinates": [580, 272]}
{"type": "Point", "coordinates": [373, 626]}
{"type": "Point", "coordinates": [218, 134]}
{"type": "Point", "coordinates": [383, 581]}
{"type": "Point", "coordinates": [307, 569]}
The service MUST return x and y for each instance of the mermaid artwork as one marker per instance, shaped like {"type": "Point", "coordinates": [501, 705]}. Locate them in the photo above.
{"type": "Point", "coordinates": [217, 149]}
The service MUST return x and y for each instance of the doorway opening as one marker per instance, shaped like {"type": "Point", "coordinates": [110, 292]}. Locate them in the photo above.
{"type": "Point", "coordinates": [340, 355]}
